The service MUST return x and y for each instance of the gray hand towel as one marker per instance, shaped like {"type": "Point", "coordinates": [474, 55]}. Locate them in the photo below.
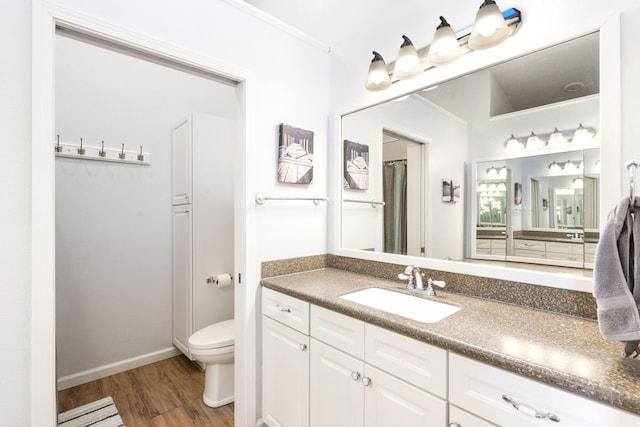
{"type": "Point", "coordinates": [616, 285]}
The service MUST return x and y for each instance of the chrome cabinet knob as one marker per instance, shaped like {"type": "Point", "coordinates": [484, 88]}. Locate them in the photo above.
{"type": "Point", "coordinates": [355, 376]}
{"type": "Point", "coordinates": [303, 347]}
{"type": "Point", "coordinates": [454, 424]}
{"type": "Point", "coordinates": [366, 381]}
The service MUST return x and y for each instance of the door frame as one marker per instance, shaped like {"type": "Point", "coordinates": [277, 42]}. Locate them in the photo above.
{"type": "Point", "coordinates": [45, 18]}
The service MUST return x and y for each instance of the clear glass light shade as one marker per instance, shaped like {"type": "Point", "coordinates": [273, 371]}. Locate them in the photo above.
{"type": "Point", "coordinates": [408, 64]}
{"type": "Point", "coordinates": [513, 144]}
{"type": "Point", "coordinates": [378, 76]}
{"type": "Point", "coordinates": [489, 28]}
{"type": "Point", "coordinates": [444, 47]}
{"type": "Point", "coordinates": [582, 135]}
{"type": "Point", "coordinates": [534, 142]}
{"type": "Point", "coordinates": [557, 139]}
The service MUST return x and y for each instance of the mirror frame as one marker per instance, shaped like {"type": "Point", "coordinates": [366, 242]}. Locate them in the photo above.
{"type": "Point", "coordinates": [609, 129]}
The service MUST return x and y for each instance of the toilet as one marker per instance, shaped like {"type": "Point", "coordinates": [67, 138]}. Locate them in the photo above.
{"type": "Point", "coordinates": [213, 346]}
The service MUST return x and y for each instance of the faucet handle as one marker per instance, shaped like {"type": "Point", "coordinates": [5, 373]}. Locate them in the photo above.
{"type": "Point", "coordinates": [408, 278]}
{"type": "Point", "coordinates": [438, 283]}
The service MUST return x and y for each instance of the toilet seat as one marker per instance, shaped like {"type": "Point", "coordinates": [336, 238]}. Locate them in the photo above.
{"type": "Point", "coordinates": [216, 336]}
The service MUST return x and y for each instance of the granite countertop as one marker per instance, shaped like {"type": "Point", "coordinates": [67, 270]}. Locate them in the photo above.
{"type": "Point", "coordinates": [555, 239]}
{"type": "Point", "coordinates": [563, 351]}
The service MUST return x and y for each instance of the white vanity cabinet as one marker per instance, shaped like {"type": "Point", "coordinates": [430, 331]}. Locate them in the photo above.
{"type": "Point", "coordinates": [507, 399]}
{"type": "Point", "coordinates": [365, 375]}
{"type": "Point", "coordinates": [285, 360]}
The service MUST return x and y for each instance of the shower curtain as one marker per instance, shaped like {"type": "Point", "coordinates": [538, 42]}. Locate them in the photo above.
{"type": "Point", "coordinates": [394, 182]}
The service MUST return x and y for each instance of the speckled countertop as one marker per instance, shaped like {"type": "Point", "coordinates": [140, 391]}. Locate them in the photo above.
{"type": "Point", "coordinates": [567, 352]}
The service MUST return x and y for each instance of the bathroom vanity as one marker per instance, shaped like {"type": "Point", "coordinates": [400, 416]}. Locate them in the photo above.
{"type": "Point", "coordinates": [330, 361]}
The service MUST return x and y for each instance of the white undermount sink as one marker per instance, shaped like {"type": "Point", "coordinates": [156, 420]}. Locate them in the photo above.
{"type": "Point", "coordinates": [420, 309]}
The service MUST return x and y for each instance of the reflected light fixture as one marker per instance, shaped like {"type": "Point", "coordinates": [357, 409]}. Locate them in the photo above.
{"type": "Point", "coordinates": [489, 28]}
{"type": "Point", "coordinates": [378, 76]}
{"type": "Point", "coordinates": [492, 172]}
{"type": "Point", "coordinates": [582, 135]}
{"type": "Point", "coordinates": [408, 64]}
{"type": "Point", "coordinates": [569, 166]}
{"type": "Point", "coordinates": [555, 167]}
{"type": "Point", "coordinates": [514, 144]}
{"type": "Point", "coordinates": [444, 47]}
{"type": "Point", "coordinates": [556, 139]}
{"type": "Point", "coordinates": [578, 183]}
{"type": "Point", "coordinates": [534, 142]}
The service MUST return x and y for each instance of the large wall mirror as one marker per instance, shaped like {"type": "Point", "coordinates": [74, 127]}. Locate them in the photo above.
{"type": "Point", "coordinates": [444, 183]}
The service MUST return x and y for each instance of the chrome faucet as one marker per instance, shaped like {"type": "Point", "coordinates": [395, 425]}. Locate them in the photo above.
{"type": "Point", "coordinates": [415, 282]}
{"type": "Point", "coordinates": [413, 276]}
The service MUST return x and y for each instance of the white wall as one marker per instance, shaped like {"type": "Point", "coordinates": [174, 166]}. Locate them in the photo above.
{"type": "Point", "coordinates": [113, 220]}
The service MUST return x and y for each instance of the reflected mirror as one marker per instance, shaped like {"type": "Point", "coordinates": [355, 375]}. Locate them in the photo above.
{"type": "Point", "coordinates": [492, 140]}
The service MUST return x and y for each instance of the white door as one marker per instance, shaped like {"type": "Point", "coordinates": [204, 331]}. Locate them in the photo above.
{"type": "Point", "coordinates": [182, 257]}
{"type": "Point", "coordinates": [336, 392]}
{"type": "Point", "coordinates": [285, 378]}
{"type": "Point", "coordinates": [181, 159]}
{"type": "Point", "coordinates": [390, 402]}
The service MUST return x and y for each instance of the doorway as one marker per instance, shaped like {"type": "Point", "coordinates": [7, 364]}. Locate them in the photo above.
{"type": "Point", "coordinates": [403, 169]}
{"type": "Point", "coordinates": [43, 216]}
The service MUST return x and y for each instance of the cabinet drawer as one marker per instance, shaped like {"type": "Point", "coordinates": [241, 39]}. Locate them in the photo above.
{"type": "Point", "coordinates": [590, 248]}
{"type": "Point", "coordinates": [498, 244]}
{"type": "Point", "coordinates": [411, 360]}
{"type": "Point", "coordinates": [565, 248]}
{"type": "Point", "coordinates": [483, 244]}
{"type": "Point", "coordinates": [342, 332]}
{"type": "Point", "coordinates": [530, 245]}
{"type": "Point", "coordinates": [460, 418]}
{"type": "Point", "coordinates": [479, 389]}
{"type": "Point", "coordinates": [564, 257]}
{"type": "Point", "coordinates": [529, 254]}
{"type": "Point", "coordinates": [285, 309]}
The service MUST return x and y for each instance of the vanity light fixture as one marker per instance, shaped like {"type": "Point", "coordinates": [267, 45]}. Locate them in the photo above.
{"type": "Point", "coordinates": [582, 135]}
{"type": "Point", "coordinates": [513, 144]}
{"type": "Point", "coordinates": [487, 31]}
{"type": "Point", "coordinates": [502, 186]}
{"type": "Point", "coordinates": [534, 142]}
{"type": "Point", "coordinates": [492, 172]}
{"type": "Point", "coordinates": [489, 28]}
{"type": "Point", "coordinates": [556, 139]}
{"type": "Point", "coordinates": [408, 64]}
{"type": "Point", "coordinates": [378, 77]}
{"type": "Point", "coordinates": [444, 47]}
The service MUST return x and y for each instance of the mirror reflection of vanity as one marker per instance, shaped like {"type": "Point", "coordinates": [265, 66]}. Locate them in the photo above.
{"type": "Point", "coordinates": [463, 125]}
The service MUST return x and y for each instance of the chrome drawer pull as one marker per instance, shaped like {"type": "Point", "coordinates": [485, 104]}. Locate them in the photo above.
{"type": "Point", "coordinates": [528, 410]}
{"type": "Point", "coordinates": [283, 309]}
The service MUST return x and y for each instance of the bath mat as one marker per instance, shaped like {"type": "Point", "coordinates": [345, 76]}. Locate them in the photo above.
{"type": "Point", "coordinates": [101, 413]}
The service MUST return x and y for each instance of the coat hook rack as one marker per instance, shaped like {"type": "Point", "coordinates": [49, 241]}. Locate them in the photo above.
{"type": "Point", "coordinates": [100, 153]}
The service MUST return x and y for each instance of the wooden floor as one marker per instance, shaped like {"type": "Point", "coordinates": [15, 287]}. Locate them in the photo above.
{"type": "Point", "coordinates": [163, 394]}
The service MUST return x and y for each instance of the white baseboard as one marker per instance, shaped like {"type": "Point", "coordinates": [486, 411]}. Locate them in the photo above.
{"type": "Point", "coordinates": [115, 368]}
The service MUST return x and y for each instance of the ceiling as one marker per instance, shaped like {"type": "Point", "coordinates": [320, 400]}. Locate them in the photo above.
{"type": "Point", "coordinates": [550, 74]}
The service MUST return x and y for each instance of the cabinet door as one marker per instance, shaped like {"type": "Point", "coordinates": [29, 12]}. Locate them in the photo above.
{"type": "Point", "coordinates": [285, 366]}
{"type": "Point", "coordinates": [391, 402]}
{"type": "Point", "coordinates": [337, 395]}
{"type": "Point", "coordinates": [181, 166]}
{"type": "Point", "coordinates": [182, 256]}
{"type": "Point", "coordinates": [460, 418]}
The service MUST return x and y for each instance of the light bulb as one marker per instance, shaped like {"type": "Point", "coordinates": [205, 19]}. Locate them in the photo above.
{"type": "Point", "coordinates": [555, 167]}
{"type": "Point", "coordinates": [582, 135]}
{"type": "Point", "coordinates": [489, 28]}
{"type": "Point", "coordinates": [534, 142]}
{"type": "Point", "coordinates": [378, 76]}
{"type": "Point", "coordinates": [557, 138]}
{"type": "Point", "coordinates": [513, 144]}
{"type": "Point", "coordinates": [408, 64]}
{"type": "Point", "coordinates": [444, 47]}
